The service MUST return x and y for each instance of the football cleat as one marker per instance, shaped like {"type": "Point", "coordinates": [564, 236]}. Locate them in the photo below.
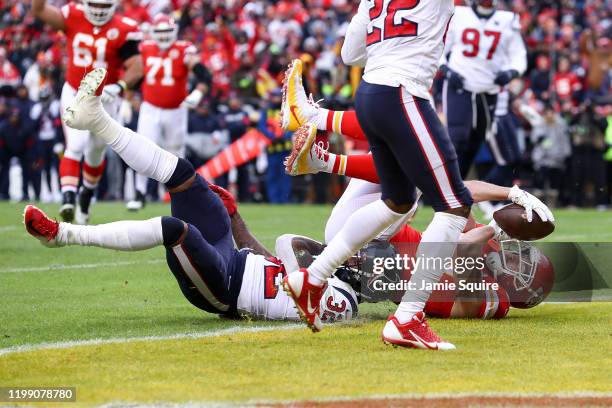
{"type": "Point", "coordinates": [414, 334]}
{"type": "Point", "coordinates": [297, 163]}
{"type": "Point", "coordinates": [81, 216]}
{"type": "Point", "coordinates": [87, 106]}
{"type": "Point", "coordinates": [307, 297]}
{"type": "Point", "coordinates": [296, 108]}
{"type": "Point", "coordinates": [137, 204]}
{"type": "Point", "coordinates": [68, 206]}
{"type": "Point", "coordinates": [40, 226]}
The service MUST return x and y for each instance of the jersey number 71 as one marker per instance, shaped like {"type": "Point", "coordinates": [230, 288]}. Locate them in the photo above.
{"type": "Point", "coordinates": [392, 29]}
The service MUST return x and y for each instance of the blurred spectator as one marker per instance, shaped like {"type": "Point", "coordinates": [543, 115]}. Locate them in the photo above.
{"type": "Point", "coordinates": [9, 75]}
{"type": "Point", "coordinates": [278, 183]}
{"type": "Point", "coordinates": [551, 149]}
{"type": "Point", "coordinates": [205, 137]}
{"type": "Point", "coordinates": [236, 120]}
{"type": "Point", "coordinates": [16, 140]}
{"type": "Point", "coordinates": [46, 112]}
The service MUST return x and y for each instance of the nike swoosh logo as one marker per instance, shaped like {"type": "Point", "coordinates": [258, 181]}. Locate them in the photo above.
{"type": "Point", "coordinates": [311, 310]}
{"type": "Point", "coordinates": [292, 108]}
{"type": "Point", "coordinates": [431, 346]}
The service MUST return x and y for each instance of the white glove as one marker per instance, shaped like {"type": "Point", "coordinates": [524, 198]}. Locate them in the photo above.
{"type": "Point", "coordinates": [110, 93]}
{"type": "Point", "coordinates": [531, 204]}
{"type": "Point", "coordinates": [193, 99]}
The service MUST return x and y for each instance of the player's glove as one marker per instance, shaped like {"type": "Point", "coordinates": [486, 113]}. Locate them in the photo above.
{"type": "Point", "coordinates": [112, 92]}
{"type": "Point", "coordinates": [228, 199]}
{"type": "Point", "coordinates": [455, 80]}
{"type": "Point", "coordinates": [503, 78]}
{"type": "Point", "coordinates": [531, 204]}
{"type": "Point", "coordinates": [193, 99]}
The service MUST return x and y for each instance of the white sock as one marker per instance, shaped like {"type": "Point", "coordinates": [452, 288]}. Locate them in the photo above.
{"type": "Point", "coordinates": [122, 235]}
{"type": "Point", "coordinates": [355, 233]}
{"type": "Point", "coordinates": [144, 156]}
{"type": "Point", "coordinates": [438, 242]}
{"type": "Point", "coordinates": [320, 120]}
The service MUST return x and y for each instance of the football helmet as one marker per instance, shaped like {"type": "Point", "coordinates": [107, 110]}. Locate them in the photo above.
{"type": "Point", "coordinates": [484, 7]}
{"type": "Point", "coordinates": [523, 271]}
{"type": "Point", "coordinates": [339, 302]}
{"type": "Point", "coordinates": [99, 12]}
{"type": "Point", "coordinates": [164, 31]}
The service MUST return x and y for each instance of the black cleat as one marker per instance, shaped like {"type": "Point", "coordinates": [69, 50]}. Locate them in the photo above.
{"type": "Point", "coordinates": [68, 204]}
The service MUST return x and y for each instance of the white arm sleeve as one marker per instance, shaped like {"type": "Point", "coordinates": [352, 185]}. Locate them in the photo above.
{"type": "Point", "coordinates": [517, 52]}
{"type": "Point", "coordinates": [354, 48]}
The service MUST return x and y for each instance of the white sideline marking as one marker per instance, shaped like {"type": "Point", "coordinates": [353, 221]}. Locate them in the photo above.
{"type": "Point", "coordinates": [460, 395]}
{"type": "Point", "coordinates": [61, 267]}
{"type": "Point", "coordinates": [96, 342]}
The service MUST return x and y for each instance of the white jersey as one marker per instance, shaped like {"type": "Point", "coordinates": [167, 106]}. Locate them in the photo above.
{"type": "Point", "coordinates": [482, 47]}
{"type": "Point", "coordinates": [262, 297]}
{"type": "Point", "coordinates": [399, 46]}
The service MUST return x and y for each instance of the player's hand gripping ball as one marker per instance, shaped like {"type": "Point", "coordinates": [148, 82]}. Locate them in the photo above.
{"type": "Point", "coordinates": [527, 218]}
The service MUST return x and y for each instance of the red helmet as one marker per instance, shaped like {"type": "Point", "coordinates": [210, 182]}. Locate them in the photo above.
{"type": "Point", "coordinates": [523, 271]}
{"type": "Point", "coordinates": [164, 31]}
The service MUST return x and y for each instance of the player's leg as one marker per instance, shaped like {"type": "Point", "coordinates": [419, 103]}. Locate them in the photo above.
{"type": "Point", "coordinates": [148, 126]}
{"type": "Point", "coordinates": [70, 163]}
{"type": "Point", "coordinates": [174, 125]}
{"type": "Point", "coordinates": [504, 147]}
{"type": "Point", "coordinates": [307, 285]}
{"type": "Point", "coordinates": [310, 157]}
{"type": "Point", "coordinates": [436, 173]}
{"type": "Point", "coordinates": [460, 118]}
{"type": "Point", "coordinates": [298, 109]}
{"type": "Point", "coordinates": [191, 199]}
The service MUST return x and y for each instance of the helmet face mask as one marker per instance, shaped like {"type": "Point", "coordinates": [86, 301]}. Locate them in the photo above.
{"type": "Point", "coordinates": [523, 271]}
{"type": "Point", "coordinates": [484, 7]}
{"type": "Point", "coordinates": [164, 31]}
{"type": "Point", "coordinates": [99, 12]}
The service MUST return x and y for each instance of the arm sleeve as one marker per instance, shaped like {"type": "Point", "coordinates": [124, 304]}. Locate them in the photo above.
{"type": "Point", "coordinates": [201, 73]}
{"type": "Point", "coordinates": [516, 50]}
{"type": "Point", "coordinates": [130, 48]}
{"type": "Point", "coordinates": [353, 50]}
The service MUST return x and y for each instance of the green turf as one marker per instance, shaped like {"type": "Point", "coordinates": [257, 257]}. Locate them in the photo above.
{"type": "Point", "coordinates": [134, 294]}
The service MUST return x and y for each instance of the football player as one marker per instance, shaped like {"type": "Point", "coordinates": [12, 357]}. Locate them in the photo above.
{"type": "Point", "coordinates": [401, 49]}
{"type": "Point", "coordinates": [212, 274]}
{"type": "Point", "coordinates": [167, 63]}
{"type": "Point", "coordinates": [486, 53]}
{"type": "Point", "coordinates": [96, 37]}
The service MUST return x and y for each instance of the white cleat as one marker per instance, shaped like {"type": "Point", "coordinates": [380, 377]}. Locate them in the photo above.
{"type": "Point", "coordinates": [87, 106]}
{"type": "Point", "coordinates": [80, 217]}
{"type": "Point", "coordinates": [134, 205]}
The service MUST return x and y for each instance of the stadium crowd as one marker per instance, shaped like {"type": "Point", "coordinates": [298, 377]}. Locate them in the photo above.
{"type": "Point", "coordinates": [566, 140]}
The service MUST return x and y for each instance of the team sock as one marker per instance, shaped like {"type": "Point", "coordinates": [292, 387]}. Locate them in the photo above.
{"type": "Point", "coordinates": [438, 242]}
{"type": "Point", "coordinates": [122, 235]}
{"type": "Point", "coordinates": [350, 238]}
{"type": "Point", "coordinates": [69, 170]}
{"type": "Point", "coordinates": [342, 122]}
{"type": "Point", "coordinates": [92, 174]}
{"type": "Point", "coordinates": [362, 166]}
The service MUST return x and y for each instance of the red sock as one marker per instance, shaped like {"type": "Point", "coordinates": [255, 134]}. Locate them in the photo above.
{"type": "Point", "coordinates": [92, 175]}
{"type": "Point", "coordinates": [345, 123]}
{"type": "Point", "coordinates": [360, 166]}
{"type": "Point", "coordinates": [69, 170]}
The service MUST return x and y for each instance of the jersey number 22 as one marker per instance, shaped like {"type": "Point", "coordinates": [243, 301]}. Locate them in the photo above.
{"type": "Point", "coordinates": [394, 25]}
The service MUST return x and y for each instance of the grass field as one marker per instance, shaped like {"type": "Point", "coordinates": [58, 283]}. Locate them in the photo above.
{"type": "Point", "coordinates": [115, 326]}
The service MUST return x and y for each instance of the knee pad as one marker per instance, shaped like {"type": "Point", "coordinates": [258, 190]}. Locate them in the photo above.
{"type": "Point", "coordinates": [172, 230]}
{"type": "Point", "coordinates": [184, 170]}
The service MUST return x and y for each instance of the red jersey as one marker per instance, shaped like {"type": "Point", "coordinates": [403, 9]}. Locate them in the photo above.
{"type": "Point", "coordinates": [91, 46]}
{"type": "Point", "coordinates": [166, 73]}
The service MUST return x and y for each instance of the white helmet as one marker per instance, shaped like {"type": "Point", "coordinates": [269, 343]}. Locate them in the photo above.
{"type": "Point", "coordinates": [164, 31]}
{"type": "Point", "coordinates": [339, 302]}
{"type": "Point", "coordinates": [99, 12]}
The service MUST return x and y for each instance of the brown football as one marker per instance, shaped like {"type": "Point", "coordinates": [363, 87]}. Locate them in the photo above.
{"type": "Point", "coordinates": [513, 220]}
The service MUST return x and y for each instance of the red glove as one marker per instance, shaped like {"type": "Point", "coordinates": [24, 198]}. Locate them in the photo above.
{"type": "Point", "coordinates": [228, 199]}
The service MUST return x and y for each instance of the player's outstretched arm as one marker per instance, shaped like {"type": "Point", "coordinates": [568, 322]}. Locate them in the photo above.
{"type": "Point", "coordinates": [244, 238]}
{"type": "Point", "coordinates": [48, 14]}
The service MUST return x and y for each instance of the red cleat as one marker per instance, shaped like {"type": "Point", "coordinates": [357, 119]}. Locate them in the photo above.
{"type": "Point", "coordinates": [416, 334]}
{"type": "Point", "coordinates": [40, 226]}
{"type": "Point", "coordinates": [307, 297]}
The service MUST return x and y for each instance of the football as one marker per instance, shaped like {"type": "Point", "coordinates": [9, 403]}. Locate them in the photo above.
{"type": "Point", "coordinates": [513, 220]}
